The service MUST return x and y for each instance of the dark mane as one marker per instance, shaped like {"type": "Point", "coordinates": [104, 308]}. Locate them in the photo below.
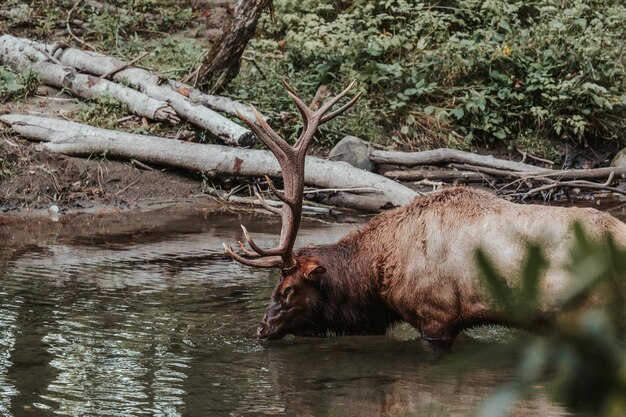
{"type": "Point", "coordinates": [350, 302]}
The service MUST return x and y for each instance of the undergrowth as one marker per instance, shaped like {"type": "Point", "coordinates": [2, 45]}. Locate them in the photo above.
{"type": "Point", "coordinates": [454, 73]}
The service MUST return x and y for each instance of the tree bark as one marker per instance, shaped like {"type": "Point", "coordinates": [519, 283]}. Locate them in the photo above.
{"type": "Point", "coordinates": [222, 63]}
{"type": "Point", "coordinates": [77, 139]}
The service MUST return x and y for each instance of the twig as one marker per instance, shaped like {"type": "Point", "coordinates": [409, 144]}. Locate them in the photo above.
{"type": "Point", "coordinates": [69, 28]}
{"type": "Point", "coordinates": [536, 158]}
{"type": "Point", "coordinates": [15, 145]}
{"type": "Point", "coordinates": [255, 66]}
{"type": "Point", "coordinates": [46, 54]}
{"type": "Point", "coordinates": [141, 165]}
{"type": "Point", "coordinates": [578, 184]}
{"type": "Point", "coordinates": [269, 203]}
{"type": "Point", "coordinates": [125, 188]}
{"type": "Point", "coordinates": [125, 65]}
{"type": "Point", "coordinates": [60, 99]}
{"type": "Point", "coordinates": [338, 190]}
{"type": "Point", "coordinates": [125, 118]}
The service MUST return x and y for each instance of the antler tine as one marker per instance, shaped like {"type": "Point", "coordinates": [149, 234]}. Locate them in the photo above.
{"type": "Point", "coordinates": [305, 111]}
{"type": "Point", "coordinates": [330, 103]}
{"type": "Point", "coordinates": [282, 197]}
{"type": "Point", "coordinates": [246, 251]}
{"type": "Point", "coordinates": [270, 262]}
{"type": "Point", "coordinates": [307, 134]}
{"type": "Point", "coordinates": [267, 129]}
{"type": "Point", "coordinates": [291, 160]}
{"type": "Point", "coordinates": [342, 109]}
{"type": "Point", "coordinates": [275, 146]}
{"type": "Point", "coordinates": [256, 248]}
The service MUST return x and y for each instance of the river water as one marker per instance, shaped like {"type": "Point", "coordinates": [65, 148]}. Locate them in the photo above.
{"type": "Point", "coordinates": [141, 314]}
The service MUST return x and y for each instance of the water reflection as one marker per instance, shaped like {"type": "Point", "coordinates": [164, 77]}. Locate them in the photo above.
{"type": "Point", "coordinates": [8, 329]}
{"type": "Point", "coordinates": [142, 314]}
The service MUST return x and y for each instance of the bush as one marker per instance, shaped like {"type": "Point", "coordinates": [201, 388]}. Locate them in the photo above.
{"type": "Point", "coordinates": [581, 356]}
{"type": "Point", "coordinates": [466, 70]}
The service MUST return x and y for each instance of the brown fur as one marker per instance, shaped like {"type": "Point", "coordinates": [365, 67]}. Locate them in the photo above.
{"type": "Point", "coordinates": [416, 264]}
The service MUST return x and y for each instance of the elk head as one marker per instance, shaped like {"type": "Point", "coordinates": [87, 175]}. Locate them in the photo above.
{"type": "Point", "coordinates": [292, 308]}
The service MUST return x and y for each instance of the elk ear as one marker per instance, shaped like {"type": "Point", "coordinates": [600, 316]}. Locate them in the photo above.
{"type": "Point", "coordinates": [313, 272]}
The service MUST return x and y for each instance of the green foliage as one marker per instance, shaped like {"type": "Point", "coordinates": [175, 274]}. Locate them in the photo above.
{"type": "Point", "coordinates": [120, 20]}
{"type": "Point", "coordinates": [583, 361]}
{"type": "Point", "coordinates": [14, 85]}
{"type": "Point", "coordinates": [267, 93]}
{"type": "Point", "coordinates": [482, 70]}
{"type": "Point", "coordinates": [103, 112]}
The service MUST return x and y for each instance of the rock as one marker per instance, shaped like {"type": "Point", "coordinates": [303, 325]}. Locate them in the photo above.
{"type": "Point", "coordinates": [620, 159]}
{"type": "Point", "coordinates": [354, 151]}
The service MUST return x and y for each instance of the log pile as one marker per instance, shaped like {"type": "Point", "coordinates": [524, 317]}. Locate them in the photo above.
{"type": "Point", "coordinates": [76, 139]}
{"type": "Point", "coordinates": [89, 75]}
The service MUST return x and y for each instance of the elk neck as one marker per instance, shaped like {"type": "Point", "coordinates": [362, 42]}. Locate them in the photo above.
{"type": "Point", "coordinates": [350, 301]}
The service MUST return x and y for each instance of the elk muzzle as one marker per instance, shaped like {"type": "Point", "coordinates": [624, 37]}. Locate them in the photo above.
{"type": "Point", "coordinates": [273, 324]}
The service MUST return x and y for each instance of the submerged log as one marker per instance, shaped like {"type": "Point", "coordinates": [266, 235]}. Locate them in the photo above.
{"type": "Point", "coordinates": [78, 139]}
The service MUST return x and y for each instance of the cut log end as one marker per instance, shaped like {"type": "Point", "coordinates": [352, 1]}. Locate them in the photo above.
{"type": "Point", "coordinates": [246, 140]}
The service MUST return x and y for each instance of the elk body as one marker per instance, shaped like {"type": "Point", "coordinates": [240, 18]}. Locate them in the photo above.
{"type": "Point", "coordinates": [413, 264]}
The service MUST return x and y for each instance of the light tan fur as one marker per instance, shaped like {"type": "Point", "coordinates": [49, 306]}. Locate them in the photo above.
{"type": "Point", "coordinates": [426, 252]}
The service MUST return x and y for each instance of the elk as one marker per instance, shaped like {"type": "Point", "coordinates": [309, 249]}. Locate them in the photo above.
{"type": "Point", "coordinates": [413, 264]}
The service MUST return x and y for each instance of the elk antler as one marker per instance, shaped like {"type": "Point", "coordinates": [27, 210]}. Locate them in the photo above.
{"type": "Point", "coordinates": [291, 160]}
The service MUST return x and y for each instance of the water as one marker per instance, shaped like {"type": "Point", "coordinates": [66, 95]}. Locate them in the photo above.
{"type": "Point", "coordinates": [142, 314]}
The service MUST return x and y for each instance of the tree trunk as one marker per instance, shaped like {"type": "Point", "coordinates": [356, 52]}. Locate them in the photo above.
{"type": "Point", "coordinates": [222, 63]}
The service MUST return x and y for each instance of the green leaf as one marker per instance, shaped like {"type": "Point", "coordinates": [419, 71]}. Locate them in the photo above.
{"type": "Point", "coordinates": [458, 113]}
{"type": "Point", "coordinates": [496, 284]}
{"type": "Point", "coordinates": [500, 133]}
{"type": "Point", "coordinates": [531, 275]}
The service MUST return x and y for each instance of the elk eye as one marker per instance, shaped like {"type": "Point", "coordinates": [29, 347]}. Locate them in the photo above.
{"type": "Point", "coordinates": [287, 291]}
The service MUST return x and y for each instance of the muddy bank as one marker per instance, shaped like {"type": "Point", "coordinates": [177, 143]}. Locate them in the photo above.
{"type": "Point", "coordinates": [36, 179]}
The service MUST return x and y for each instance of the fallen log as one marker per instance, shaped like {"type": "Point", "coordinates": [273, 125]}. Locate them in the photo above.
{"type": "Point", "coordinates": [217, 103]}
{"type": "Point", "coordinates": [153, 86]}
{"type": "Point", "coordinates": [367, 203]}
{"type": "Point", "coordinates": [77, 139]}
{"type": "Point", "coordinates": [438, 175]}
{"type": "Point", "coordinates": [19, 54]}
{"type": "Point", "coordinates": [446, 156]}
{"type": "Point", "coordinates": [565, 174]}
